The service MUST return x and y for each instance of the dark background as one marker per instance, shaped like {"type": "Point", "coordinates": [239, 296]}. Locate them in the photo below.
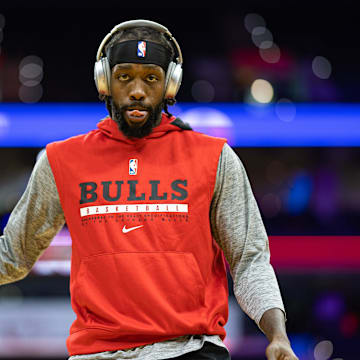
{"type": "Point", "coordinates": [67, 38]}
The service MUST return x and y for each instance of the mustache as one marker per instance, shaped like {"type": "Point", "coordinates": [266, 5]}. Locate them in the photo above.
{"type": "Point", "coordinates": [137, 104]}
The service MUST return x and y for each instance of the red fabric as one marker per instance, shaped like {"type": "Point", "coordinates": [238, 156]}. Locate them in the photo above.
{"type": "Point", "coordinates": [162, 280]}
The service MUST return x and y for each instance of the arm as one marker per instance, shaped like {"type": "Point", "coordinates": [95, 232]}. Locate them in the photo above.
{"type": "Point", "coordinates": [33, 223]}
{"type": "Point", "coordinates": [238, 229]}
{"type": "Point", "coordinates": [272, 324]}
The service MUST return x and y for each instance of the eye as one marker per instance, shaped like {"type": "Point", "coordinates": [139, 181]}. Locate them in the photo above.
{"type": "Point", "coordinates": [151, 78]}
{"type": "Point", "coordinates": [123, 77]}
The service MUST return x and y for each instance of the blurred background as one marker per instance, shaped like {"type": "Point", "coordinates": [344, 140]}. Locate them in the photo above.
{"type": "Point", "coordinates": [279, 80]}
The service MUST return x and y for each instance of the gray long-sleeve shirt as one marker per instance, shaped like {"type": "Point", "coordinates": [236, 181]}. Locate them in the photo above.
{"type": "Point", "coordinates": [236, 226]}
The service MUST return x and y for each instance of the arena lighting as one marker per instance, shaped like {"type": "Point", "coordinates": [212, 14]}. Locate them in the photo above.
{"type": "Point", "coordinates": [349, 324]}
{"type": "Point", "coordinates": [252, 21]}
{"type": "Point", "coordinates": [30, 94]}
{"type": "Point", "coordinates": [323, 350]}
{"type": "Point", "coordinates": [315, 253]}
{"type": "Point", "coordinates": [261, 34]}
{"type": "Point", "coordinates": [262, 91]}
{"type": "Point", "coordinates": [246, 125]}
{"type": "Point", "coordinates": [207, 117]}
{"type": "Point", "coordinates": [30, 76]}
{"type": "Point", "coordinates": [4, 125]}
{"type": "Point", "coordinates": [299, 194]}
{"type": "Point", "coordinates": [285, 109]}
{"type": "Point", "coordinates": [329, 306]}
{"type": "Point", "coordinates": [270, 54]}
{"type": "Point", "coordinates": [321, 67]}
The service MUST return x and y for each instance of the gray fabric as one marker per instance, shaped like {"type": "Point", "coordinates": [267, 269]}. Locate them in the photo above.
{"type": "Point", "coordinates": [236, 225]}
{"type": "Point", "coordinates": [34, 222]}
{"type": "Point", "coordinates": [238, 229]}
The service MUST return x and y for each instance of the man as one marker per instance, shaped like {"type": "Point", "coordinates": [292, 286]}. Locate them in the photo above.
{"type": "Point", "coordinates": [151, 207]}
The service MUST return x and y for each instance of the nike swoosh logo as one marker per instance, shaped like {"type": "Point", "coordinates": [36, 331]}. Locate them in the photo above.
{"type": "Point", "coordinates": [125, 230]}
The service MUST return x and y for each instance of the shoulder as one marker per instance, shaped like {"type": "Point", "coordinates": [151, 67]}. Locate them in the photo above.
{"type": "Point", "coordinates": [74, 140]}
{"type": "Point", "coordinates": [204, 139]}
{"type": "Point", "coordinates": [230, 161]}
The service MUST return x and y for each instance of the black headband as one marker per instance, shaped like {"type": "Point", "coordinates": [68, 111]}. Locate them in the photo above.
{"type": "Point", "coordinates": [139, 52]}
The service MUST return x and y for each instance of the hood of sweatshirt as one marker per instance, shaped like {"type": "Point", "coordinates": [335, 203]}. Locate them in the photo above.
{"type": "Point", "coordinates": [109, 127]}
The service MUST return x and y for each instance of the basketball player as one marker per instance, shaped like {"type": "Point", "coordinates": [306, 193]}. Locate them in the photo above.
{"type": "Point", "coordinates": [152, 207]}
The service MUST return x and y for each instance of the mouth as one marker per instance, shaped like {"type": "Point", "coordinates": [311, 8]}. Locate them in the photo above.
{"type": "Point", "coordinates": [136, 116]}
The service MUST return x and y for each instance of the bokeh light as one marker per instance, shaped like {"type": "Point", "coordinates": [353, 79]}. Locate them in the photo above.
{"type": "Point", "coordinates": [321, 67]}
{"type": "Point", "coordinates": [206, 117]}
{"type": "Point", "coordinates": [262, 91]}
{"type": "Point", "coordinates": [329, 307]}
{"type": "Point", "coordinates": [30, 94]}
{"type": "Point", "coordinates": [203, 91]}
{"type": "Point", "coordinates": [299, 192]}
{"type": "Point", "coordinates": [270, 205]}
{"type": "Point", "coordinates": [30, 76]}
{"type": "Point", "coordinates": [270, 53]}
{"type": "Point", "coordinates": [349, 324]}
{"type": "Point", "coordinates": [323, 350]}
{"type": "Point", "coordinates": [261, 34]}
{"type": "Point", "coordinates": [267, 44]}
{"type": "Point", "coordinates": [31, 59]}
{"type": "Point", "coordinates": [326, 195]}
{"type": "Point", "coordinates": [252, 21]}
{"type": "Point", "coordinates": [285, 109]}
{"type": "Point", "coordinates": [4, 123]}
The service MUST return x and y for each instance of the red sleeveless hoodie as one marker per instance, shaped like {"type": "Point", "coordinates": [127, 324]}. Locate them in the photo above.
{"type": "Point", "coordinates": [144, 267]}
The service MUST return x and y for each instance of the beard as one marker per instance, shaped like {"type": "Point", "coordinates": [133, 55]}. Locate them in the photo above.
{"type": "Point", "coordinates": [139, 131]}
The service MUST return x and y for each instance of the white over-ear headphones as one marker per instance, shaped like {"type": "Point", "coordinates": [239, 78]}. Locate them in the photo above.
{"type": "Point", "coordinates": [102, 71]}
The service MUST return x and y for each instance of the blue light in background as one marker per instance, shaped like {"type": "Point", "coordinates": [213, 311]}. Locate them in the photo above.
{"type": "Point", "coordinates": [329, 307]}
{"type": "Point", "coordinates": [302, 345]}
{"type": "Point", "coordinates": [299, 193]}
{"type": "Point", "coordinates": [243, 125]}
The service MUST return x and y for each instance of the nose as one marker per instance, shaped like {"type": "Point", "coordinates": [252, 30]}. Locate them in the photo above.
{"type": "Point", "coordinates": [137, 91]}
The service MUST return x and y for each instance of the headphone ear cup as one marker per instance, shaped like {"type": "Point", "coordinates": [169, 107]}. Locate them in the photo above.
{"type": "Point", "coordinates": [102, 76]}
{"type": "Point", "coordinates": [173, 80]}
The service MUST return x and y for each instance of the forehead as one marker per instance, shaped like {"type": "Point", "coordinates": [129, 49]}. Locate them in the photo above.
{"type": "Point", "coordinates": [138, 67]}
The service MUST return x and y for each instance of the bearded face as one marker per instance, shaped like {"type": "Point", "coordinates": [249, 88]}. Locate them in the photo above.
{"type": "Point", "coordinates": [137, 97]}
{"type": "Point", "coordinates": [136, 130]}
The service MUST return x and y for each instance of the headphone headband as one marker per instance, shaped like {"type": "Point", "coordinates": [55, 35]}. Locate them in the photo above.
{"type": "Point", "coordinates": [136, 23]}
{"type": "Point", "coordinates": [102, 69]}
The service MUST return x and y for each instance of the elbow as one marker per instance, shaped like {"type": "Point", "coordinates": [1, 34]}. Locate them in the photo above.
{"type": "Point", "coordinates": [10, 273]}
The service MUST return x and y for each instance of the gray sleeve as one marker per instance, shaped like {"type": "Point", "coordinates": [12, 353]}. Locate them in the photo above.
{"type": "Point", "coordinates": [238, 229]}
{"type": "Point", "coordinates": [33, 223]}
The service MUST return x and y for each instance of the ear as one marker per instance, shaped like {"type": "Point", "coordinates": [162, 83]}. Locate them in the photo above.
{"type": "Point", "coordinates": [108, 104]}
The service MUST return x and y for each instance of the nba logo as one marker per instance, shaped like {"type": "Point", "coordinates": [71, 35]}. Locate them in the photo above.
{"type": "Point", "coordinates": [141, 50]}
{"type": "Point", "coordinates": [133, 165]}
